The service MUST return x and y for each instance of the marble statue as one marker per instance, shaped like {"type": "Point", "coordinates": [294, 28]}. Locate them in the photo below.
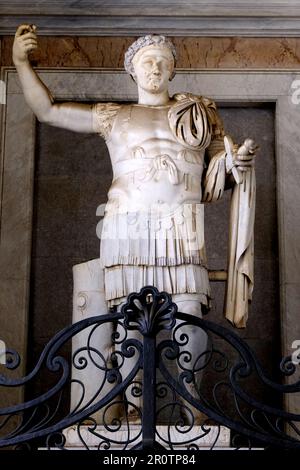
{"type": "Point", "coordinates": [170, 156]}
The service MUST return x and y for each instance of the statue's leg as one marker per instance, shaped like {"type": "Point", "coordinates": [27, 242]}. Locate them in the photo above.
{"type": "Point", "coordinates": [89, 300]}
{"type": "Point", "coordinates": [196, 347]}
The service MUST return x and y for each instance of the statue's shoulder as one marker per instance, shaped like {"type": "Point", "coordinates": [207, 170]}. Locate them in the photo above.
{"type": "Point", "coordinates": [104, 115]}
{"type": "Point", "coordinates": [105, 108]}
{"type": "Point", "coordinates": [207, 102]}
{"type": "Point", "coordinates": [206, 106]}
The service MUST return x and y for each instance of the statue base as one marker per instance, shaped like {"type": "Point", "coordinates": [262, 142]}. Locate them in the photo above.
{"type": "Point", "coordinates": [98, 438]}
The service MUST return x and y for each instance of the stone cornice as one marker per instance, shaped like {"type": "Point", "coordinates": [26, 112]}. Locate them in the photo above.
{"type": "Point", "coordinates": [132, 18]}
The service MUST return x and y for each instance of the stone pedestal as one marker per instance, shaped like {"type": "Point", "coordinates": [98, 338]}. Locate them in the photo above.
{"type": "Point", "coordinates": [211, 436]}
{"type": "Point", "coordinates": [89, 383]}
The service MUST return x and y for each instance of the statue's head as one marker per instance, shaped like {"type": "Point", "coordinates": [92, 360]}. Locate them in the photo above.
{"type": "Point", "coordinates": [150, 60]}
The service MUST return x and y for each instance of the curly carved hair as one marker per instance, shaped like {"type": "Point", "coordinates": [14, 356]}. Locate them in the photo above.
{"type": "Point", "coordinates": [144, 41]}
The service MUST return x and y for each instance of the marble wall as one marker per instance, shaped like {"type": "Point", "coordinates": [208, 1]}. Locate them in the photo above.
{"type": "Point", "coordinates": [241, 53]}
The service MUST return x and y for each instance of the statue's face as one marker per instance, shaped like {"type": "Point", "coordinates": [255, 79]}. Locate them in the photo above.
{"type": "Point", "coordinates": [153, 67]}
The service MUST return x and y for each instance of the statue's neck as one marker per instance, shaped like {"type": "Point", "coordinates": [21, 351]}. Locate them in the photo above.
{"type": "Point", "coordinates": [153, 99]}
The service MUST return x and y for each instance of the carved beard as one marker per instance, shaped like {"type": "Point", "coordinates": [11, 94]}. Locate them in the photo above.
{"type": "Point", "coordinates": [154, 80]}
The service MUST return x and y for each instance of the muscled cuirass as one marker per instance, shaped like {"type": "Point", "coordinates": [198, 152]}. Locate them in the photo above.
{"type": "Point", "coordinates": [150, 165]}
{"type": "Point", "coordinates": [154, 214]}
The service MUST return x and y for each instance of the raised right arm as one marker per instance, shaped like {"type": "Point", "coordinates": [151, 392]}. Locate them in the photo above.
{"type": "Point", "coordinates": [73, 116]}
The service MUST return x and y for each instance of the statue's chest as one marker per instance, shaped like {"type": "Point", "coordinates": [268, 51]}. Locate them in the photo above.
{"type": "Point", "coordinates": [142, 126]}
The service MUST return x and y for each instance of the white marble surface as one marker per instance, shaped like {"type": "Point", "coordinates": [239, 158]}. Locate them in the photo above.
{"type": "Point", "coordinates": [88, 301]}
{"type": "Point", "coordinates": [219, 437]}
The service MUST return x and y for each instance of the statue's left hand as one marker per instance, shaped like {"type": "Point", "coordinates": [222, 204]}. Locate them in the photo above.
{"type": "Point", "coordinates": [244, 156]}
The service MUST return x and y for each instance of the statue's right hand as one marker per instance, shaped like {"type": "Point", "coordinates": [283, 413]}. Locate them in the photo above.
{"type": "Point", "coordinates": [25, 42]}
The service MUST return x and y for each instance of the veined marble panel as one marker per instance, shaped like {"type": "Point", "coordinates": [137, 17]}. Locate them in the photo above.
{"type": "Point", "coordinates": [195, 52]}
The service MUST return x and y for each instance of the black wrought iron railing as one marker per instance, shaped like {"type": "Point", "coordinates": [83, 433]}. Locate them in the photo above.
{"type": "Point", "coordinates": [166, 382]}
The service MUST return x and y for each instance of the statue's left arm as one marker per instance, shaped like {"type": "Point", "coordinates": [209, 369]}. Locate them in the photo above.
{"type": "Point", "coordinates": [240, 176]}
{"type": "Point", "coordinates": [195, 123]}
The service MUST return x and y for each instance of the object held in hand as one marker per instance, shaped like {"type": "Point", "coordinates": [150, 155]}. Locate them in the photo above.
{"type": "Point", "coordinates": [229, 159]}
{"type": "Point", "coordinates": [246, 151]}
{"type": "Point", "coordinates": [31, 29]}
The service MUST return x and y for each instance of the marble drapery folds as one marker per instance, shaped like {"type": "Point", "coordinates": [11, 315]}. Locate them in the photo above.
{"type": "Point", "coordinates": [186, 120]}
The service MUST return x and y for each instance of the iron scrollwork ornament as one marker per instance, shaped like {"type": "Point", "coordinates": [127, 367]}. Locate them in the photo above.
{"type": "Point", "coordinates": [149, 311]}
